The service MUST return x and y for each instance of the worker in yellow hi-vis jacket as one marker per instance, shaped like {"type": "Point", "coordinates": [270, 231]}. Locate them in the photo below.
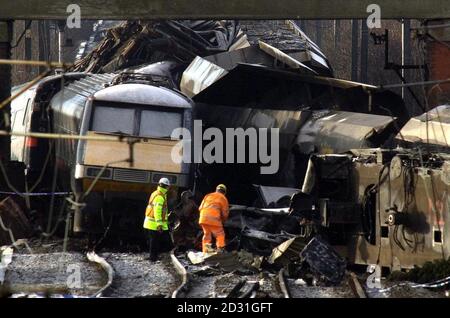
{"type": "Point", "coordinates": [156, 220]}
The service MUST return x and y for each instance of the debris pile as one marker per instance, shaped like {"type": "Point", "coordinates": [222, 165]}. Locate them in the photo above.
{"type": "Point", "coordinates": [267, 240]}
{"type": "Point", "coordinates": [135, 43]}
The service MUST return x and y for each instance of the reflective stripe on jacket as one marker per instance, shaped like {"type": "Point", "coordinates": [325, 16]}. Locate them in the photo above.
{"type": "Point", "coordinates": [214, 209]}
{"type": "Point", "coordinates": [156, 212]}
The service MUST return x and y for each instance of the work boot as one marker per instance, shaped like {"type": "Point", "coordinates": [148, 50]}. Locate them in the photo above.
{"type": "Point", "coordinates": [220, 250]}
{"type": "Point", "coordinates": [209, 249]}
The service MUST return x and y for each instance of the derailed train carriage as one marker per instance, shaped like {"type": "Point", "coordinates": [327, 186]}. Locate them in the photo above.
{"type": "Point", "coordinates": [376, 203]}
{"type": "Point", "coordinates": [388, 207]}
{"type": "Point", "coordinates": [105, 178]}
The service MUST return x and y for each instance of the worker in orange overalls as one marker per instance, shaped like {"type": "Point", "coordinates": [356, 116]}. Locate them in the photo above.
{"type": "Point", "coordinates": [214, 211]}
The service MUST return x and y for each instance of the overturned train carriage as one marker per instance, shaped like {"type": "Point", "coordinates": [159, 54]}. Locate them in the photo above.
{"type": "Point", "coordinates": [325, 128]}
{"type": "Point", "coordinates": [111, 178]}
{"type": "Point", "coordinates": [386, 207]}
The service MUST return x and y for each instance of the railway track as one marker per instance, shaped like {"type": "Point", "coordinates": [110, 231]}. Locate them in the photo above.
{"type": "Point", "coordinates": [284, 285]}
{"type": "Point", "coordinates": [131, 275]}
{"type": "Point", "coordinates": [184, 287]}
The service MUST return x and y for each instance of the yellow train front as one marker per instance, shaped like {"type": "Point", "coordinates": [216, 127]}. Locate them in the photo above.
{"type": "Point", "coordinates": [111, 191]}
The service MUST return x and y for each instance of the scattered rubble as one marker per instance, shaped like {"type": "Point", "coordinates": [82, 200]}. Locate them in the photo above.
{"type": "Point", "coordinates": [135, 276]}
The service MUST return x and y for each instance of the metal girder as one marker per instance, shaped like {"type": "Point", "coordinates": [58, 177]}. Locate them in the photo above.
{"type": "Point", "coordinates": [221, 9]}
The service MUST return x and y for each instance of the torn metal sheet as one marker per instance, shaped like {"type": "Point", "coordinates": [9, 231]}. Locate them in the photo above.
{"type": "Point", "coordinates": [271, 196]}
{"type": "Point", "coordinates": [249, 55]}
{"type": "Point", "coordinates": [287, 252]}
{"type": "Point", "coordinates": [259, 230]}
{"type": "Point", "coordinates": [286, 59]}
{"type": "Point", "coordinates": [260, 211]}
{"type": "Point", "coordinates": [432, 128]}
{"type": "Point", "coordinates": [275, 211]}
{"type": "Point", "coordinates": [227, 261]}
{"type": "Point", "coordinates": [133, 43]}
{"type": "Point", "coordinates": [264, 236]}
{"type": "Point", "coordinates": [203, 72]}
{"type": "Point", "coordinates": [286, 89]}
{"type": "Point", "coordinates": [286, 36]}
{"type": "Point", "coordinates": [199, 75]}
{"type": "Point", "coordinates": [324, 260]}
{"type": "Point", "coordinates": [336, 132]}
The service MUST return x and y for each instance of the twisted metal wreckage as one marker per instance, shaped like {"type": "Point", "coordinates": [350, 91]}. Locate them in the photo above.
{"type": "Point", "coordinates": [375, 182]}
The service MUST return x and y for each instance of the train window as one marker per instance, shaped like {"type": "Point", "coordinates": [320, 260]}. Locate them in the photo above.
{"type": "Point", "coordinates": [437, 236]}
{"type": "Point", "coordinates": [113, 120]}
{"type": "Point", "coordinates": [158, 123]}
{"type": "Point", "coordinates": [384, 231]}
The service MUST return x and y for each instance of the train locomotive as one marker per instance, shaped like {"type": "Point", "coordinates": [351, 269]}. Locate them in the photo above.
{"type": "Point", "coordinates": [103, 178]}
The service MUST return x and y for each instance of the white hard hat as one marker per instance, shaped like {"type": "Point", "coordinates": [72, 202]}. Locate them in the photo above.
{"type": "Point", "coordinates": [164, 181]}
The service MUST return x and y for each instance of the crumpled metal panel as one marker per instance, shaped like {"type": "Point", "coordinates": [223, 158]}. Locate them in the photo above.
{"type": "Point", "coordinates": [432, 127]}
{"type": "Point", "coordinates": [336, 131]}
{"type": "Point", "coordinates": [286, 36]}
{"type": "Point", "coordinates": [271, 195]}
{"type": "Point", "coordinates": [203, 72]}
{"type": "Point", "coordinates": [133, 43]}
{"type": "Point", "coordinates": [287, 252]}
{"type": "Point", "coordinates": [263, 87]}
{"type": "Point", "coordinates": [284, 58]}
{"type": "Point", "coordinates": [199, 75]}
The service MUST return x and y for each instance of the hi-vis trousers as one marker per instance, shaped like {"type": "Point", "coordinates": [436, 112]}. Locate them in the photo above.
{"type": "Point", "coordinates": [210, 231]}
